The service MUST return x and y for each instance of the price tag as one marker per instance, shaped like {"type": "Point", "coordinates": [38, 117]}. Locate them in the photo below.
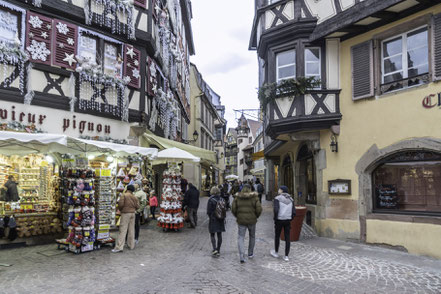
{"type": "Point", "coordinates": [86, 233]}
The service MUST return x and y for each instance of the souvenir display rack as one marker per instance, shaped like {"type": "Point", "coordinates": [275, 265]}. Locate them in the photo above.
{"type": "Point", "coordinates": [78, 192]}
{"type": "Point", "coordinates": [171, 200]}
{"type": "Point", "coordinates": [105, 205]}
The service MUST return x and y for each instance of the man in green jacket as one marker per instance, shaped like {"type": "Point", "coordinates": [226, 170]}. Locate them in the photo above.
{"type": "Point", "coordinates": [247, 209]}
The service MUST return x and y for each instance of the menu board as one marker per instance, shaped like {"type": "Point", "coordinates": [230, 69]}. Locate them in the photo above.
{"type": "Point", "coordinates": [387, 196]}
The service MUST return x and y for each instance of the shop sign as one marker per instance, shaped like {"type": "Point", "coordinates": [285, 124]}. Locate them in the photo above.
{"type": "Point", "coordinates": [432, 100]}
{"type": "Point", "coordinates": [58, 122]}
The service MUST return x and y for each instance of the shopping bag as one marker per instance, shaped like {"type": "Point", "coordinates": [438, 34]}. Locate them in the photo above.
{"type": "Point", "coordinates": [186, 218]}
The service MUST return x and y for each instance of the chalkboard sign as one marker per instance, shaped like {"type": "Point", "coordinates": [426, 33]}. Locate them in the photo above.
{"type": "Point", "coordinates": [387, 196]}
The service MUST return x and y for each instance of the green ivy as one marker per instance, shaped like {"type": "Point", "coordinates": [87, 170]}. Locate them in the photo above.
{"type": "Point", "coordinates": [290, 87]}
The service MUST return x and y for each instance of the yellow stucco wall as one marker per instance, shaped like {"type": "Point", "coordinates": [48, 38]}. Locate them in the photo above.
{"type": "Point", "coordinates": [422, 239]}
{"type": "Point", "coordinates": [338, 228]}
{"type": "Point", "coordinates": [383, 121]}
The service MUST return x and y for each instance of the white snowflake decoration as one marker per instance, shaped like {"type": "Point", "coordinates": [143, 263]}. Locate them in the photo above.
{"type": "Point", "coordinates": [38, 50]}
{"type": "Point", "coordinates": [136, 62]}
{"type": "Point", "coordinates": [35, 22]}
{"type": "Point", "coordinates": [62, 28]}
{"type": "Point", "coordinates": [135, 73]}
{"type": "Point", "coordinates": [70, 41]}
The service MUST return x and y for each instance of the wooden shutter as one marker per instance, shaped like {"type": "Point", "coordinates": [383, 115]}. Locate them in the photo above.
{"type": "Point", "coordinates": [38, 35]}
{"type": "Point", "coordinates": [362, 70]}
{"type": "Point", "coordinates": [64, 43]}
{"type": "Point", "coordinates": [141, 3]}
{"type": "Point", "coordinates": [436, 47]}
{"type": "Point", "coordinates": [149, 77]}
{"type": "Point", "coordinates": [132, 65]}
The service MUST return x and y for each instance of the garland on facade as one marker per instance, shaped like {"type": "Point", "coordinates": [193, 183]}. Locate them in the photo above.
{"type": "Point", "coordinates": [289, 87]}
{"type": "Point", "coordinates": [105, 139]}
{"type": "Point", "coordinates": [16, 126]}
{"type": "Point", "coordinates": [113, 8]}
{"type": "Point", "coordinates": [16, 57]}
{"type": "Point", "coordinates": [94, 77]}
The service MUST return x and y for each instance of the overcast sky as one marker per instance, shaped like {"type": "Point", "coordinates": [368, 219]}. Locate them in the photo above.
{"type": "Point", "coordinates": [221, 31]}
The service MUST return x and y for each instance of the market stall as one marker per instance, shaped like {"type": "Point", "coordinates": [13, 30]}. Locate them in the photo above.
{"type": "Point", "coordinates": [171, 215]}
{"type": "Point", "coordinates": [55, 183]}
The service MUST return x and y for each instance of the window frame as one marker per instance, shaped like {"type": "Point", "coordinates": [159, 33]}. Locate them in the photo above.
{"type": "Point", "coordinates": [319, 62]}
{"type": "Point", "coordinates": [287, 65]}
{"type": "Point", "coordinates": [404, 58]}
{"type": "Point", "coordinates": [100, 46]}
{"type": "Point", "coordinates": [418, 22]}
{"type": "Point", "coordinates": [21, 21]}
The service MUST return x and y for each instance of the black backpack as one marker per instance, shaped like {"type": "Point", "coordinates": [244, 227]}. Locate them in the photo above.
{"type": "Point", "coordinates": [221, 209]}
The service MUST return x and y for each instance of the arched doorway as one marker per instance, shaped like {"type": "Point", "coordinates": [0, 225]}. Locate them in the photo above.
{"type": "Point", "coordinates": [307, 179]}
{"type": "Point", "coordinates": [288, 177]}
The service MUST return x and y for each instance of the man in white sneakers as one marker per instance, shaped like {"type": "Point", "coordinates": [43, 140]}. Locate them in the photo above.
{"type": "Point", "coordinates": [284, 212]}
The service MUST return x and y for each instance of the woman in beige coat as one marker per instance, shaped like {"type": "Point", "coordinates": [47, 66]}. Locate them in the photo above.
{"type": "Point", "coordinates": [127, 205]}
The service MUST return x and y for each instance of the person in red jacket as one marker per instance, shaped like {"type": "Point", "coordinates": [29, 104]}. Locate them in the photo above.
{"type": "Point", "coordinates": [153, 203]}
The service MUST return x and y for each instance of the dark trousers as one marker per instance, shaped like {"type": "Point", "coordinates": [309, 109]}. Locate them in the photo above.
{"type": "Point", "coordinates": [286, 225]}
{"type": "Point", "coordinates": [219, 241]}
{"type": "Point", "coordinates": [137, 225]}
{"type": "Point", "coordinates": [193, 216]}
{"type": "Point", "coordinates": [260, 197]}
{"type": "Point", "coordinates": [152, 211]}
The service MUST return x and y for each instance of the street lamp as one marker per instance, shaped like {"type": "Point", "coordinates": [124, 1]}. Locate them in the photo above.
{"type": "Point", "coordinates": [334, 144]}
{"type": "Point", "coordinates": [195, 138]}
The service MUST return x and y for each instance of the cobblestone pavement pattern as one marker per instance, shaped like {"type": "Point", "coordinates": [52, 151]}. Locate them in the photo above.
{"type": "Point", "coordinates": [180, 262]}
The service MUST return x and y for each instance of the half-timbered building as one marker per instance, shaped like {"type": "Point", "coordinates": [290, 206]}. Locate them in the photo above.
{"type": "Point", "coordinates": [361, 150]}
{"type": "Point", "coordinates": [96, 68]}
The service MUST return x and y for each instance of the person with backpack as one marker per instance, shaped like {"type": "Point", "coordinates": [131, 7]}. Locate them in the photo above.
{"type": "Point", "coordinates": [216, 210]}
{"type": "Point", "coordinates": [259, 189]}
{"type": "Point", "coordinates": [191, 202]}
{"type": "Point", "coordinates": [284, 212]}
{"type": "Point", "coordinates": [247, 209]}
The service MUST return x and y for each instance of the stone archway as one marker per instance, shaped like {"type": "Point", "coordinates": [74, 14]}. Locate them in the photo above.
{"type": "Point", "coordinates": [370, 160]}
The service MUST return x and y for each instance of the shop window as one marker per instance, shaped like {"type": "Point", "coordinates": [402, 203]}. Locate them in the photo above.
{"type": "Point", "coordinates": [408, 182]}
{"type": "Point", "coordinates": [250, 140]}
{"type": "Point", "coordinates": [240, 141]}
{"type": "Point", "coordinates": [286, 65]}
{"type": "Point", "coordinates": [404, 56]}
{"type": "Point", "coordinates": [312, 63]}
{"type": "Point", "coordinates": [241, 161]}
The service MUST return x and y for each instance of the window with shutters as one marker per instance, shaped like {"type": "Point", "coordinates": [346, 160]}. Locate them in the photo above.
{"type": "Point", "coordinates": [102, 52]}
{"type": "Point", "coordinates": [286, 65]}
{"type": "Point", "coordinates": [405, 60]}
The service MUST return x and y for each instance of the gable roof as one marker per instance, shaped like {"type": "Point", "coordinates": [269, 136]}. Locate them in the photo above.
{"type": "Point", "coordinates": [254, 126]}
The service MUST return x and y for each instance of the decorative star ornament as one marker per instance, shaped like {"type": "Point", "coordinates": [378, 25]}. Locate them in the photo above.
{"type": "Point", "coordinates": [135, 73]}
{"type": "Point", "coordinates": [136, 62]}
{"type": "Point", "coordinates": [61, 45]}
{"type": "Point", "coordinates": [44, 35]}
{"type": "Point", "coordinates": [130, 52]}
{"type": "Point", "coordinates": [70, 41]}
{"type": "Point", "coordinates": [49, 26]}
{"type": "Point", "coordinates": [157, 9]}
{"type": "Point", "coordinates": [69, 59]}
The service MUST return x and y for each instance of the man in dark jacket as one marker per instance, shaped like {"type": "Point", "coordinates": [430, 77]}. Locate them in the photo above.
{"type": "Point", "coordinates": [247, 209]}
{"type": "Point", "coordinates": [259, 189]}
{"type": "Point", "coordinates": [12, 192]}
{"type": "Point", "coordinates": [284, 212]}
{"type": "Point", "coordinates": [191, 202]}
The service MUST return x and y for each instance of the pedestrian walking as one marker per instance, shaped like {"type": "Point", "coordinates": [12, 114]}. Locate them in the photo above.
{"type": "Point", "coordinates": [153, 201]}
{"type": "Point", "coordinates": [216, 224]}
{"type": "Point", "coordinates": [127, 205]}
{"type": "Point", "coordinates": [224, 194]}
{"type": "Point", "coordinates": [259, 189]}
{"type": "Point", "coordinates": [191, 202]}
{"type": "Point", "coordinates": [284, 212]}
{"type": "Point", "coordinates": [142, 199]}
{"type": "Point", "coordinates": [247, 209]}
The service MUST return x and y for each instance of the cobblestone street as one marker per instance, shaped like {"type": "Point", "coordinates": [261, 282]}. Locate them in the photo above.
{"type": "Point", "coordinates": [181, 263]}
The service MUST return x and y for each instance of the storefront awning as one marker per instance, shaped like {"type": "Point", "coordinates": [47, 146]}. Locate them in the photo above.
{"type": "Point", "coordinates": [162, 143]}
{"type": "Point", "coordinates": [257, 155]}
{"type": "Point", "coordinates": [16, 143]}
{"type": "Point", "coordinates": [175, 155]}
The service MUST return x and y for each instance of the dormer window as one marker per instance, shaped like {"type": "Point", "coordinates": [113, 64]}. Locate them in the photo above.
{"type": "Point", "coordinates": [8, 27]}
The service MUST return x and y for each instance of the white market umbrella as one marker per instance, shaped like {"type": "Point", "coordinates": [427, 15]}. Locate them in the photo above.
{"type": "Point", "coordinates": [175, 155]}
{"type": "Point", "coordinates": [231, 177]}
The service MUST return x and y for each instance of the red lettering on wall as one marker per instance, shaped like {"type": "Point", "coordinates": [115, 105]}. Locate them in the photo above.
{"type": "Point", "coordinates": [427, 101]}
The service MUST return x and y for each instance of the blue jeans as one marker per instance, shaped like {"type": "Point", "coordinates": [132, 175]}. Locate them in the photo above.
{"type": "Point", "coordinates": [242, 229]}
